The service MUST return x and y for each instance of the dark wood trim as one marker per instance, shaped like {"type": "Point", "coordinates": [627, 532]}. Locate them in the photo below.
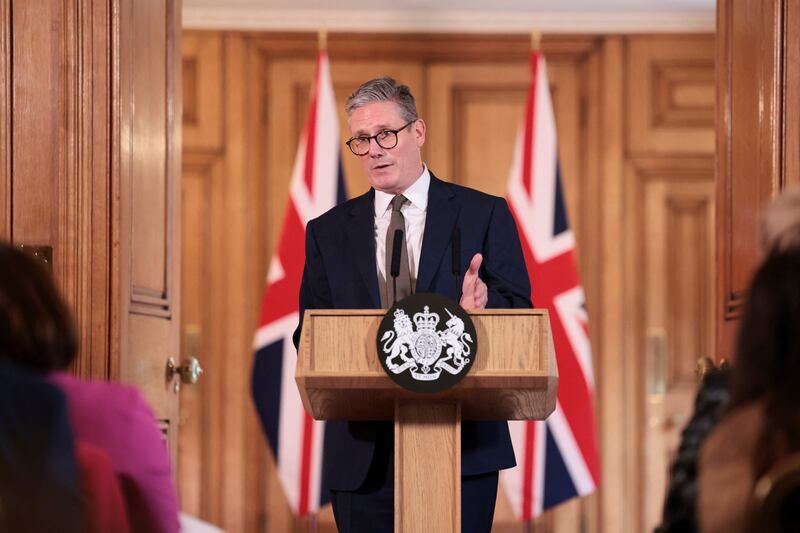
{"type": "Point", "coordinates": [115, 311]}
{"type": "Point", "coordinates": [768, 39]}
{"type": "Point", "coordinates": [638, 173]}
{"type": "Point", "coordinates": [87, 219]}
{"type": "Point", "coordinates": [723, 157]}
{"type": "Point", "coordinates": [97, 134]}
{"type": "Point", "coordinates": [791, 94]}
{"type": "Point", "coordinates": [172, 171]}
{"type": "Point", "coordinates": [5, 120]}
{"type": "Point", "coordinates": [123, 152]}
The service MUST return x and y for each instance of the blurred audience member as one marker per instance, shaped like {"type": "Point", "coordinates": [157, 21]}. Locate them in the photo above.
{"type": "Point", "coordinates": [763, 424]}
{"type": "Point", "coordinates": [104, 503]}
{"type": "Point", "coordinates": [780, 223]}
{"type": "Point", "coordinates": [780, 231]}
{"type": "Point", "coordinates": [709, 406]}
{"type": "Point", "coordinates": [36, 331]}
{"type": "Point", "coordinates": [38, 470]}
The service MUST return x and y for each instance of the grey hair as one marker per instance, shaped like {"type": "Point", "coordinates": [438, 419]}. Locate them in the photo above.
{"type": "Point", "coordinates": [780, 223]}
{"type": "Point", "coordinates": [384, 89]}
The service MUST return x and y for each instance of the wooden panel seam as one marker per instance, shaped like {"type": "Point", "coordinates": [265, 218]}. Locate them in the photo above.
{"type": "Point", "coordinates": [6, 219]}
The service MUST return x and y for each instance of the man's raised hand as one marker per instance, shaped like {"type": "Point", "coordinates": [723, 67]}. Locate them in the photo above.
{"type": "Point", "coordinates": [474, 293]}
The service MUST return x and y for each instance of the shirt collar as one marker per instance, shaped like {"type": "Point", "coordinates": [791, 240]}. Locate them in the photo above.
{"type": "Point", "coordinates": [417, 194]}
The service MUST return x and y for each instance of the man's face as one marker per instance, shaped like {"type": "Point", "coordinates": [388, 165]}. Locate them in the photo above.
{"type": "Point", "coordinates": [391, 170]}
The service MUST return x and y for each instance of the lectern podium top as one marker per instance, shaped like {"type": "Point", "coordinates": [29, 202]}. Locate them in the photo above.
{"type": "Point", "coordinates": [514, 376]}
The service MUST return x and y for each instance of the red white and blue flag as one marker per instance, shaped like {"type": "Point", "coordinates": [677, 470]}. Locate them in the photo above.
{"type": "Point", "coordinates": [317, 184]}
{"type": "Point", "coordinates": [557, 459]}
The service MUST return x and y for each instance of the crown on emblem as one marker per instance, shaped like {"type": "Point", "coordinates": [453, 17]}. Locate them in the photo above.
{"type": "Point", "coordinates": [426, 320]}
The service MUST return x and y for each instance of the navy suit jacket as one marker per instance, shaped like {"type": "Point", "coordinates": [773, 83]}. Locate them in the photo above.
{"type": "Point", "coordinates": [340, 273]}
{"type": "Point", "coordinates": [39, 475]}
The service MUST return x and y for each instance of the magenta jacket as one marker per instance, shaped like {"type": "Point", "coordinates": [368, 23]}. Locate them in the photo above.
{"type": "Point", "coordinates": [117, 419]}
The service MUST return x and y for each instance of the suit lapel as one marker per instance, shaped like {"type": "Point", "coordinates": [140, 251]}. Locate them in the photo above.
{"type": "Point", "coordinates": [361, 239]}
{"type": "Point", "coordinates": [443, 208]}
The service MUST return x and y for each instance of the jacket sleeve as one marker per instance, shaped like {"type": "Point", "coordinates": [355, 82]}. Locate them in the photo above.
{"type": "Point", "coordinates": [503, 268]}
{"type": "Point", "coordinates": [315, 292]}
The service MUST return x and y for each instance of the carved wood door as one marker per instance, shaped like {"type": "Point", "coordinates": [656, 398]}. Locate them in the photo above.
{"type": "Point", "coordinates": [149, 204]}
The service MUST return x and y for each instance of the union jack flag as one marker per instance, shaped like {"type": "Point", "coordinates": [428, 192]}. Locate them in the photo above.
{"type": "Point", "coordinates": [557, 459]}
{"type": "Point", "coordinates": [317, 184]}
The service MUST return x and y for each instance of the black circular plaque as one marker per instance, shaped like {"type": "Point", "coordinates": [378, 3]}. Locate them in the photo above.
{"type": "Point", "coordinates": [426, 343]}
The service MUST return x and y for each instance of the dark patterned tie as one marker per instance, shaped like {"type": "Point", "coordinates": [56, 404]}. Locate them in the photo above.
{"type": "Point", "coordinates": [404, 289]}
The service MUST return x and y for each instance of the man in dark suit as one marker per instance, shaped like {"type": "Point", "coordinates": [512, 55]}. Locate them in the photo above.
{"type": "Point", "coordinates": [346, 268]}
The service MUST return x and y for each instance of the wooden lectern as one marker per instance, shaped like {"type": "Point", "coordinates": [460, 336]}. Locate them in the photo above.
{"type": "Point", "coordinates": [514, 377]}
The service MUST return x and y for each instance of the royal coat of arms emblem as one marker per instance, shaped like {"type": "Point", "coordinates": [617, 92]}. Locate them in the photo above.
{"type": "Point", "coordinates": [413, 345]}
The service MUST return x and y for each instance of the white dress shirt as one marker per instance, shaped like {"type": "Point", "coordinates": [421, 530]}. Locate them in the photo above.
{"type": "Point", "coordinates": [414, 211]}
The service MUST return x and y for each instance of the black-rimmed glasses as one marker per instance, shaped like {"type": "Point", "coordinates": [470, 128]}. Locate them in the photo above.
{"type": "Point", "coordinates": [386, 139]}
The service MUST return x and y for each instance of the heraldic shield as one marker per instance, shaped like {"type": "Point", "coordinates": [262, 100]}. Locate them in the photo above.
{"type": "Point", "coordinates": [426, 343]}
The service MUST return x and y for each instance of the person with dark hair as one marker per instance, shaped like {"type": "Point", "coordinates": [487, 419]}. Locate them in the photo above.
{"type": "Point", "coordinates": [680, 505]}
{"type": "Point", "coordinates": [779, 232]}
{"type": "Point", "coordinates": [348, 253]}
{"type": "Point", "coordinates": [37, 333]}
{"type": "Point", "coordinates": [763, 424]}
{"type": "Point", "coordinates": [36, 329]}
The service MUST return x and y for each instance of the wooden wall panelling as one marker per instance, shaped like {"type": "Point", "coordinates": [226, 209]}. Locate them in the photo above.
{"type": "Point", "coordinates": [670, 89]}
{"type": "Point", "coordinates": [56, 101]}
{"type": "Point", "coordinates": [791, 94]}
{"type": "Point", "coordinates": [759, 143]}
{"type": "Point", "coordinates": [37, 51]}
{"type": "Point", "coordinates": [149, 179]}
{"type": "Point", "coordinates": [475, 111]}
{"type": "Point", "coordinates": [203, 83]}
{"type": "Point", "coordinates": [288, 83]}
{"type": "Point", "coordinates": [221, 442]}
{"type": "Point", "coordinates": [472, 107]}
{"type": "Point", "coordinates": [752, 120]}
{"type": "Point", "coordinates": [256, 453]}
{"type": "Point", "coordinates": [669, 251]}
{"type": "Point", "coordinates": [668, 193]}
{"type": "Point", "coordinates": [236, 212]}
{"type": "Point", "coordinates": [591, 237]}
{"type": "Point", "coordinates": [619, 506]}
{"type": "Point", "coordinates": [202, 238]}
{"type": "Point", "coordinates": [67, 104]}
{"type": "Point", "coordinates": [63, 90]}
{"type": "Point", "coordinates": [96, 111]}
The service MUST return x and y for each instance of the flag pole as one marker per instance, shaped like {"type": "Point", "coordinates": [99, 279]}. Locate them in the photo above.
{"type": "Point", "coordinates": [536, 40]}
{"type": "Point", "coordinates": [322, 39]}
{"type": "Point", "coordinates": [322, 47]}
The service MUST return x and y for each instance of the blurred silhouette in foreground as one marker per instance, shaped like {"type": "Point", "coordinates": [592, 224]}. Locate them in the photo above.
{"type": "Point", "coordinates": [779, 232]}
{"type": "Point", "coordinates": [39, 489]}
{"type": "Point", "coordinates": [111, 423]}
{"type": "Point", "coordinates": [762, 427]}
